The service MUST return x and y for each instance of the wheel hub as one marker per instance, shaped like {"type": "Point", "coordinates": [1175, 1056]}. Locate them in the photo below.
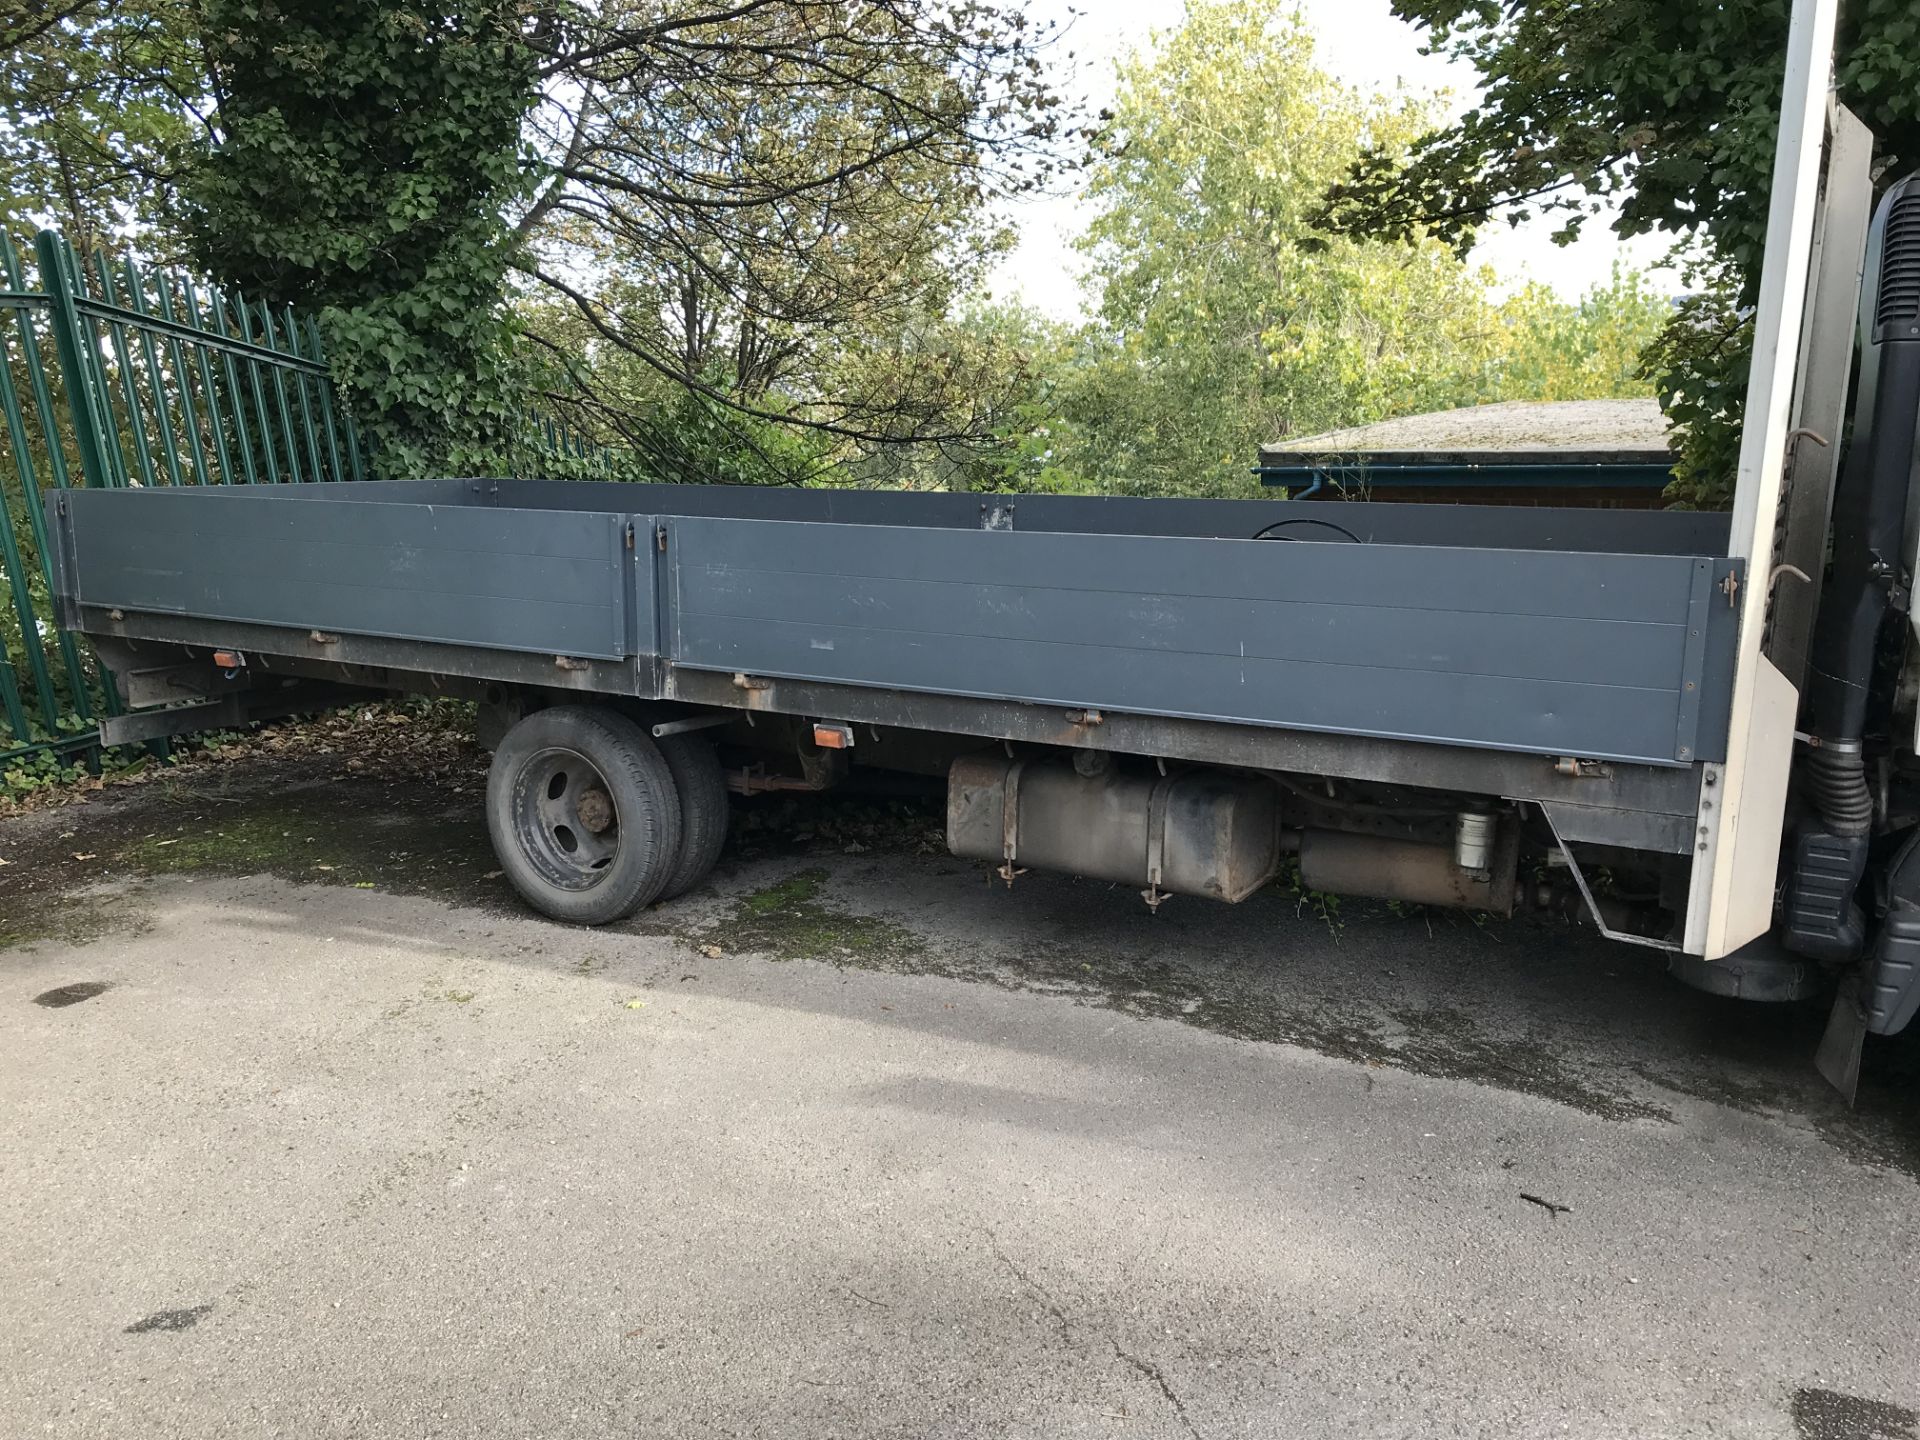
{"type": "Point", "coordinates": [565, 819]}
{"type": "Point", "coordinates": [596, 810]}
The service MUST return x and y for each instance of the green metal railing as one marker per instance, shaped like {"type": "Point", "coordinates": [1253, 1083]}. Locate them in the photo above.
{"type": "Point", "coordinates": [112, 374]}
{"type": "Point", "coordinates": [548, 439]}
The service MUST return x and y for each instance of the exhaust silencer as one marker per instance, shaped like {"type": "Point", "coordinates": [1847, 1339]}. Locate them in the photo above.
{"type": "Point", "coordinates": [1200, 832]}
{"type": "Point", "coordinates": [1388, 869]}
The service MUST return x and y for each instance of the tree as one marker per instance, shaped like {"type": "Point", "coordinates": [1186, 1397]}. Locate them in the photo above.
{"type": "Point", "coordinates": [650, 427]}
{"type": "Point", "coordinates": [738, 238]}
{"type": "Point", "coordinates": [737, 195]}
{"type": "Point", "coordinates": [98, 100]}
{"type": "Point", "coordinates": [1542, 348]}
{"type": "Point", "coordinates": [1225, 321]}
{"type": "Point", "coordinates": [1218, 328]}
{"type": "Point", "coordinates": [731, 194]}
{"type": "Point", "coordinates": [740, 196]}
{"type": "Point", "coordinates": [366, 155]}
{"type": "Point", "coordinates": [985, 372]}
{"type": "Point", "coordinates": [1668, 112]}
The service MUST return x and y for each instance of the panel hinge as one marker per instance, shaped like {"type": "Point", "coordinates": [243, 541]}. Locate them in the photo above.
{"type": "Point", "coordinates": [1580, 769]}
{"type": "Point", "coordinates": [629, 535]}
{"type": "Point", "coordinates": [660, 539]}
{"type": "Point", "coordinates": [1729, 586]}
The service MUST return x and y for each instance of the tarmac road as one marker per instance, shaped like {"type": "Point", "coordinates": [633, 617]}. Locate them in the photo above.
{"type": "Point", "coordinates": [857, 1145]}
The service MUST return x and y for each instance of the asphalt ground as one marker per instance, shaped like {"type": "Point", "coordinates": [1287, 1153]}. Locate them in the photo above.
{"type": "Point", "coordinates": [311, 1130]}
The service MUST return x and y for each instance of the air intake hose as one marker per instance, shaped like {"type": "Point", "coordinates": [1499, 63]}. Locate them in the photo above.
{"type": "Point", "coordinates": [1837, 785]}
{"type": "Point", "coordinates": [1869, 521]}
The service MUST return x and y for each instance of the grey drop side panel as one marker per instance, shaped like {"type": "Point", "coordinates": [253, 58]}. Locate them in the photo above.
{"type": "Point", "coordinates": [543, 581]}
{"type": "Point", "coordinates": [1490, 527]}
{"type": "Point", "coordinates": [445, 491]}
{"type": "Point", "coordinates": [1557, 653]}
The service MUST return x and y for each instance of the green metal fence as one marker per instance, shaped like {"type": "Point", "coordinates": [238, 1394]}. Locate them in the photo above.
{"type": "Point", "coordinates": [114, 374]}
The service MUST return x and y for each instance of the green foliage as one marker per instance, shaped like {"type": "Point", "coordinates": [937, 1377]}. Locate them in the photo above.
{"type": "Point", "coordinates": [694, 440]}
{"type": "Point", "coordinates": [1219, 328]}
{"type": "Point", "coordinates": [1542, 348]}
{"type": "Point", "coordinates": [38, 770]}
{"type": "Point", "coordinates": [1667, 111]}
{"type": "Point", "coordinates": [736, 198]}
{"type": "Point", "coordinates": [93, 117]}
{"type": "Point", "coordinates": [976, 377]}
{"type": "Point", "coordinates": [733, 243]}
{"type": "Point", "coordinates": [14, 631]}
{"type": "Point", "coordinates": [643, 425]}
{"type": "Point", "coordinates": [366, 154]}
{"type": "Point", "coordinates": [773, 207]}
{"type": "Point", "coordinates": [1700, 362]}
{"type": "Point", "coordinates": [1226, 321]}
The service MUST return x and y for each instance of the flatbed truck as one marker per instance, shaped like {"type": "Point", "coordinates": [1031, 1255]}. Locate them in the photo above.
{"type": "Point", "coordinates": [1694, 731]}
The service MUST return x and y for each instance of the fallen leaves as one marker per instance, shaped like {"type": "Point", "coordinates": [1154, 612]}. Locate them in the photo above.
{"type": "Point", "coordinates": [850, 825]}
{"type": "Point", "coordinates": [408, 740]}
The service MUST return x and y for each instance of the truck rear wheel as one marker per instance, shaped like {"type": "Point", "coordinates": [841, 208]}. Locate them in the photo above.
{"type": "Point", "coordinates": [583, 813]}
{"type": "Point", "coordinates": [704, 809]}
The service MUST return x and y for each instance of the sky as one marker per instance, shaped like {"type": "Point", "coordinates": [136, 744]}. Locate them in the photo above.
{"type": "Point", "coordinates": [1360, 42]}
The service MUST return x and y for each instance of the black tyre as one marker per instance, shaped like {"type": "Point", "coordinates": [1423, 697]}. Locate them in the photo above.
{"type": "Point", "coordinates": [584, 814]}
{"type": "Point", "coordinates": [704, 809]}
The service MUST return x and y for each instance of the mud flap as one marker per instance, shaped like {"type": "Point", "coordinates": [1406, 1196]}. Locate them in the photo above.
{"type": "Point", "coordinates": [1838, 1058]}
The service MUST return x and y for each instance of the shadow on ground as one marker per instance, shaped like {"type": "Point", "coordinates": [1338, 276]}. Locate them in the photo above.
{"type": "Point", "coordinates": [862, 883]}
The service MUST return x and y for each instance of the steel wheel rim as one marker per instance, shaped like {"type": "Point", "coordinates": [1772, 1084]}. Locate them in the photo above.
{"type": "Point", "coordinates": [565, 819]}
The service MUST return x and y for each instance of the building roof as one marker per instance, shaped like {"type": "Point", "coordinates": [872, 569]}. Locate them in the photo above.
{"type": "Point", "coordinates": [1618, 432]}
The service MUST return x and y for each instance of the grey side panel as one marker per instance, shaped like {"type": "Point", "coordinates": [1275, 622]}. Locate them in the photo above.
{"type": "Point", "coordinates": [1583, 654]}
{"type": "Point", "coordinates": [1623, 804]}
{"type": "Point", "coordinates": [543, 581]}
{"type": "Point", "coordinates": [1661, 791]}
{"type": "Point", "coordinates": [366, 492]}
{"type": "Point", "coordinates": [421, 666]}
{"type": "Point", "coordinates": [1494, 527]}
